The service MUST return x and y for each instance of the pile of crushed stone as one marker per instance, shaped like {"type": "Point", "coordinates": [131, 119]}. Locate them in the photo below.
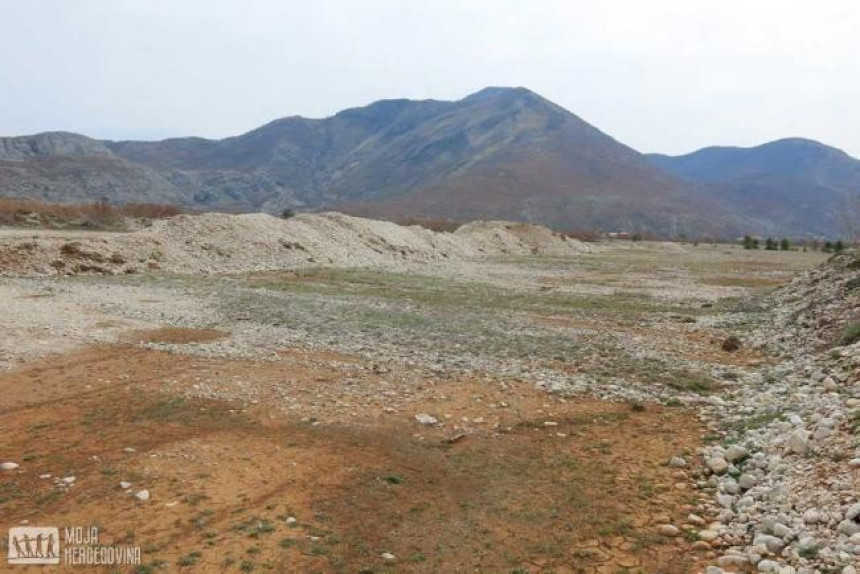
{"type": "Point", "coordinates": [786, 478]}
{"type": "Point", "coordinates": [816, 308]}
{"type": "Point", "coordinates": [222, 243]}
{"type": "Point", "coordinates": [505, 238]}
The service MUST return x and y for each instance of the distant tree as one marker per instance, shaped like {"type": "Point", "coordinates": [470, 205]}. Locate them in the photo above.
{"type": "Point", "coordinates": [784, 245]}
{"type": "Point", "coordinates": [636, 237]}
{"type": "Point", "coordinates": [770, 244]}
{"type": "Point", "coordinates": [749, 242]}
{"type": "Point", "coordinates": [828, 247]}
{"type": "Point", "coordinates": [288, 213]}
{"type": "Point", "coordinates": [838, 247]}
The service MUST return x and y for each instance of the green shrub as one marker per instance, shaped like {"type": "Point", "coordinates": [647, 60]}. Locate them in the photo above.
{"type": "Point", "coordinates": [851, 334]}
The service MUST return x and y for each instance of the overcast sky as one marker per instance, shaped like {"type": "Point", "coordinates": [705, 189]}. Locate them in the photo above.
{"type": "Point", "coordinates": [663, 75]}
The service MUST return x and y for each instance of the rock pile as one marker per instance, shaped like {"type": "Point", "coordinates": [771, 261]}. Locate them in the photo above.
{"type": "Point", "coordinates": [786, 495]}
{"type": "Point", "coordinates": [815, 310]}
{"type": "Point", "coordinates": [220, 243]}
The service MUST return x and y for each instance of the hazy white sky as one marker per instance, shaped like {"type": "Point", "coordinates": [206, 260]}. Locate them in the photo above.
{"type": "Point", "coordinates": [661, 75]}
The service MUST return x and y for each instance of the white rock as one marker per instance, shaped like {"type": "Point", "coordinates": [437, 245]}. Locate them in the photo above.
{"type": "Point", "coordinates": [783, 531]}
{"type": "Point", "coordinates": [798, 442]}
{"type": "Point", "coordinates": [768, 566]}
{"type": "Point", "coordinates": [717, 464]}
{"type": "Point", "coordinates": [811, 516]}
{"type": "Point", "coordinates": [848, 527]}
{"type": "Point", "coordinates": [388, 557]}
{"type": "Point", "coordinates": [747, 481]}
{"type": "Point", "coordinates": [291, 520]}
{"type": "Point", "coordinates": [9, 465]}
{"type": "Point", "coordinates": [426, 419]}
{"type": "Point", "coordinates": [124, 485]}
{"type": "Point", "coordinates": [142, 495]}
{"type": "Point", "coordinates": [731, 487]}
{"type": "Point", "coordinates": [736, 453]}
{"type": "Point", "coordinates": [668, 530]}
{"type": "Point", "coordinates": [772, 543]}
{"type": "Point", "coordinates": [69, 479]}
{"type": "Point", "coordinates": [853, 512]}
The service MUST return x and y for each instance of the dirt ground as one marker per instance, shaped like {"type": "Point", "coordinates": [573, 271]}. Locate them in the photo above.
{"type": "Point", "coordinates": [272, 418]}
{"type": "Point", "coordinates": [576, 496]}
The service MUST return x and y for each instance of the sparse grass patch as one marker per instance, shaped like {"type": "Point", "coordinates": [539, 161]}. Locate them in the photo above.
{"type": "Point", "coordinates": [851, 334]}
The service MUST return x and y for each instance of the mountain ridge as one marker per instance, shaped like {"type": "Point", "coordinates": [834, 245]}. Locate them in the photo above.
{"type": "Point", "coordinates": [501, 153]}
{"type": "Point", "coordinates": [798, 183]}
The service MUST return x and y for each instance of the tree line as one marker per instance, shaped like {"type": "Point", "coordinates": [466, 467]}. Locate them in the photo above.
{"type": "Point", "coordinates": [771, 244]}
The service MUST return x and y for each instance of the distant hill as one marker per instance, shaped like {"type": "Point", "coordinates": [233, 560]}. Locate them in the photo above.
{"type": "Point", "coordinates": [502, 153]}
{"type": "Point", "coordinates": [788, 187]}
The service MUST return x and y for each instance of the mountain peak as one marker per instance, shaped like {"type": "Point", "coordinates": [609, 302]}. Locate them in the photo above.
{"type": "Point", "coordinates": [505, 94]}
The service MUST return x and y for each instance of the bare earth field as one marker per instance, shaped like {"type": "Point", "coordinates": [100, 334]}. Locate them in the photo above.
{"type": "Point", "coordinates": [273, 416]}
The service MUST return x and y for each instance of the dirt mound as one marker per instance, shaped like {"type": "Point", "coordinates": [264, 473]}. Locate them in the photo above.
{"type": "Point", "coordinates": [506, 238]}
{"type": "Point", "coordinates": [819, 307]}
{"type": "Point", "coordinates": [220, 243]}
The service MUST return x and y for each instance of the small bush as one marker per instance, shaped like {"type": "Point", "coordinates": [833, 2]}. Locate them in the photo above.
{"type": "Point", "coordinates": [288, 213]}
{"type": "Point", "coordinates": [731, 344]}
{"type": "Point", "coordinates": [851, 334]}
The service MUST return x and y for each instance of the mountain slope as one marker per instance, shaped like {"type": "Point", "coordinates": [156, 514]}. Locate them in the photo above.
{"type": "Point", "coordinates": [503, 153]}
{"type": "Point", "coordinates": [788, 186]}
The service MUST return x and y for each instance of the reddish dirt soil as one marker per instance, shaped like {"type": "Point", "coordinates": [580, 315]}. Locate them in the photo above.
{"type": "Point", "coordinates": [515, 495]}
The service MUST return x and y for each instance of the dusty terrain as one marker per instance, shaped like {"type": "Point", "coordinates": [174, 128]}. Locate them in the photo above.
{"type": "Point", "coordinates": [496, 413]}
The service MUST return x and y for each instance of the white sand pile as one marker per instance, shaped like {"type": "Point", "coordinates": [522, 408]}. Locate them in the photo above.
{"type": "Point", "coordinates": [220, 243]}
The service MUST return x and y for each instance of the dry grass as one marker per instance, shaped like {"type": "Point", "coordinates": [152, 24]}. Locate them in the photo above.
{"type": "Point", "coordinates": [17, 212]}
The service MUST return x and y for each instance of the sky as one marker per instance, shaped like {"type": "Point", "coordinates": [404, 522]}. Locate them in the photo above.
{"type": "Point", "coordinates": [666, 76]}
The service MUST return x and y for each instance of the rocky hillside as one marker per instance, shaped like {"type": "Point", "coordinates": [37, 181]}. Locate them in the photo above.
{"type": "Point", "coordinates": [502, 153]}
{"type": "Point", "coordinates": [788, 187]}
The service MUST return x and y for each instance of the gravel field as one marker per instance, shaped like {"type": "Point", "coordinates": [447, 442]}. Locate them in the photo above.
{"type": "Point", "coordinates": [772, 483]}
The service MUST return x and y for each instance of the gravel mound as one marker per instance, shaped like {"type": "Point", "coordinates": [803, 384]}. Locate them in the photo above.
{"type": "Point", "coordinates": [816, 308]}
{"type": "Point", "coordinates": [786, 478]}
{"type": "Point", "coordinates": [221, 243]}
{"type": "Point", "coordinates": [505, 238]}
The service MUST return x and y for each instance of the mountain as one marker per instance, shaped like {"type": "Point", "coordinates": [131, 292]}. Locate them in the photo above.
{"type": "Point", "coordinates": [65, 167]}
{"type": "Point", "coordinates": [501, 153]}
{"type": "Point", "coordinates": [788, 187]}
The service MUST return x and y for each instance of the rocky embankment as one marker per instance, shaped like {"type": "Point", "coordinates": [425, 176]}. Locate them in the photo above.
{"type": "Point", "coordinates": [784, 476]}
{"type": "Point", "coordinates": [221, 243]}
